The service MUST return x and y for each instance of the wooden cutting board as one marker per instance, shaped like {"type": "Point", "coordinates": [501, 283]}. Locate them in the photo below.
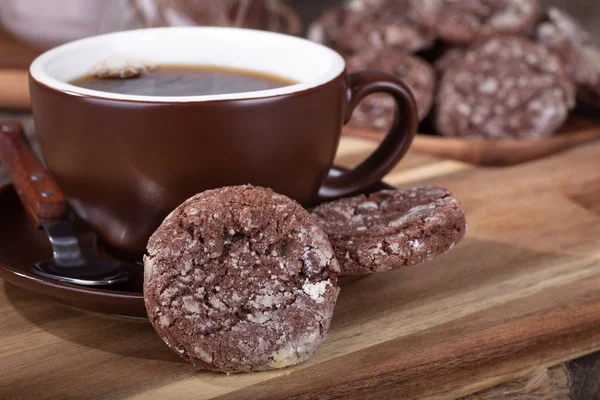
{"type": "Point", "coordinates": [522, 290]}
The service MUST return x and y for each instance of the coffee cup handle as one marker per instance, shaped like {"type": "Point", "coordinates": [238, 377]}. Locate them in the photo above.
{"type": "Point", "coordinates": [392, 148]}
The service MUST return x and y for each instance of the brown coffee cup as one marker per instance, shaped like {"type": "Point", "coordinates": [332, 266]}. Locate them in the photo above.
{"type": "Point", "coordinates": [125, 161]}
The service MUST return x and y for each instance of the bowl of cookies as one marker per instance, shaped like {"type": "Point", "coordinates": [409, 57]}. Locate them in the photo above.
{"type": "Point", "coordinates": [496, 83]}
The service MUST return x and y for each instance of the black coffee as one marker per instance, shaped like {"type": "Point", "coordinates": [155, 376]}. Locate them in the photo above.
{"type": "Point", "coordinates": [178, 80]}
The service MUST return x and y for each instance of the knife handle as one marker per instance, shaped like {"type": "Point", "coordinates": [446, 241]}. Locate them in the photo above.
{"type": "Point", "coordinates": [38, 192]}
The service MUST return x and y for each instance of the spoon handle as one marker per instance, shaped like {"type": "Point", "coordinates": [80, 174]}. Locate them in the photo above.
{"type": "Point", "coordinates": [38, 192]}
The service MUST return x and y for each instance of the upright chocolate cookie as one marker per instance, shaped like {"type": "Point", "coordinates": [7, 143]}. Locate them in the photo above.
{"type": "Point", "coordinates": [451, 58]}
{"type": "Point", "coordinates": [377, 111]}
{"type": "Point", "coordinates": [359, 25]}
{"type": "Point", "coordinates": [391, 228]}
{"type": "Point", "coordinates": [240, 279]}
{"type": "Point", "coordinates": [577, 48]}
{"type": "Point", "coordinates": [504, 87]}
{"type": "Point", "coordinates": [464, 21]}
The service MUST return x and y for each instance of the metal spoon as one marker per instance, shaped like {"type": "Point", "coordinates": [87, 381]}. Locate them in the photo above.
{"type": "Point", "coordinates": [47, 208]}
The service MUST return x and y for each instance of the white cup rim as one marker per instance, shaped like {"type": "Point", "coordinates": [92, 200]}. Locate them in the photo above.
{"type": "Point", "coordinates": [335, 65]}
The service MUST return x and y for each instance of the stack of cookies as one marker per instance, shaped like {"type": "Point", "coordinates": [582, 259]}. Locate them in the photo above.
{"type": "Point", "coordinates": [242, 279]}
{"type": "Point", "coordinates": [478, 69]}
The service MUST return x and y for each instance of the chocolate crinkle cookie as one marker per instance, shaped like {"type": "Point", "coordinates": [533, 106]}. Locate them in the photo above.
{"type": "Point", "coordinates": [503, 87]}
{"type": "Point", "coordinates": [577, 48]}
{"type": "Point", "coordinates": [377, 111]}
{"type": "Point", "coordinates": [464, 21]}
{"type": "Point", "coordinates": [240, 279]}
{"type": "Point", "coordinates": [450, 58]}
{"type": "Point", "coordinates": [391, 229]}
{"type": "Point", "coordinates": [359, 25]}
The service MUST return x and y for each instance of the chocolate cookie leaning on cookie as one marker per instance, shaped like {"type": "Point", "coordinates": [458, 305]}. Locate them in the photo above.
{"type": "Point", "coordinates": [578, 50]}
{"type": "Point", "coordinates": [464, 21]}
{"type": "Point", "coordinates": [240, 279]}
{"type": "Point", "coordinates": [504, 87]}
{"type": "Point", "coordinates": [391, 229]}
{"type": "Point", "coordinates": [356, 26]}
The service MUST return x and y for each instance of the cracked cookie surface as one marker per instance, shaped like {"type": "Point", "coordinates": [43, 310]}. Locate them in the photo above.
{"type": "Point", "coordinates": [464, 21]}
{"type": "Point", "coordinates": [391, 229]}
{"type": "Point", "coordinates": [240, 279]}
{"type": "Point", "coordinates": [359, 25]}
{"type": "Point", "coordinates": [503, 88]}
{"type": "Point", "coordinates": [577, 48]}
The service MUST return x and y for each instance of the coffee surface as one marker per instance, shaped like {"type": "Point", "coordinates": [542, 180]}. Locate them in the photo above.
{"type": "Point", "coordinates": [184, 80]}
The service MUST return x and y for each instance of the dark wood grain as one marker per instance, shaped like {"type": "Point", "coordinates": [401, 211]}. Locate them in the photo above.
{"type": "Point", "coordinates": [38, 192]}
{"type": "Point", "coordinates": [586, 193]}
{"type": "Point", "coordinates": [493, 345]}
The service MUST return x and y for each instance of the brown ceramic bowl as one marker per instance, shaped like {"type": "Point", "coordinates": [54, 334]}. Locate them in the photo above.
{"type": "Point", "coordinates": [125, 161]}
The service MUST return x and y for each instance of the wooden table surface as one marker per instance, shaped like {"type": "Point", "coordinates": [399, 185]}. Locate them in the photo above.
{"type": "Point", "coordinates": [51, 351]}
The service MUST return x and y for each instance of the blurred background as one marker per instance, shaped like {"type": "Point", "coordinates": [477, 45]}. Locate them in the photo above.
{"type": "Point", "coordinates": [29, 26]}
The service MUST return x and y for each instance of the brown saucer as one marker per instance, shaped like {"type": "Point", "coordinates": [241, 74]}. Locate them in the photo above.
{"type": "Point", "coordinates": [21, 245]}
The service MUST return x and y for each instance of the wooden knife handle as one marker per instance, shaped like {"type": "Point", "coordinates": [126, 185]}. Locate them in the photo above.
{"type": "Point", "coordinates": [38, 192]}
